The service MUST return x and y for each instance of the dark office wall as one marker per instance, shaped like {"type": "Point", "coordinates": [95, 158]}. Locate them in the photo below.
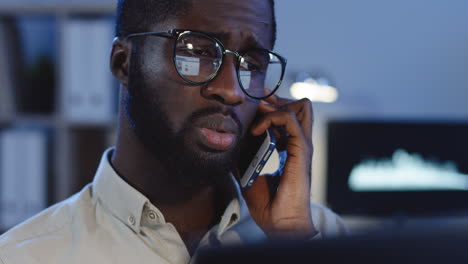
{"type": "Point", "coordinates": [392, 58]}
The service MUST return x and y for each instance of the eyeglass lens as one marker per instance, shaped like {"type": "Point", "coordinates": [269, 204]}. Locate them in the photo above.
{"type": "Point", "coordinates": [198, 59]}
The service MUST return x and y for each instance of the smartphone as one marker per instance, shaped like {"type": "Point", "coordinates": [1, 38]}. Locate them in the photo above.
{"type": "Point", "coordinates": [254, 154]}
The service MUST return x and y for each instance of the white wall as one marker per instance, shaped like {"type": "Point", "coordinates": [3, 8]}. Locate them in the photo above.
{"type": "Point", "coordinates": [389, 59]}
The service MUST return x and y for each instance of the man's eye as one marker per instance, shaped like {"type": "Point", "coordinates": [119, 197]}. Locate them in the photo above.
{"type": "Point", "coordinates": [249, 66]}
{"type": "Point", "coordinates": [203, 52]}
{"type": "Point", "coordinates": [196, 52]}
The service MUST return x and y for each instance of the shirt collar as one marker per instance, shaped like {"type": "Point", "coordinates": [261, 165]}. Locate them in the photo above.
{"type": "Point", "coordinates": [232, 212]}
{"type": "Point", "coordinates": [117, 196]}
{"type": "Point", "coordinates": [129, 205]}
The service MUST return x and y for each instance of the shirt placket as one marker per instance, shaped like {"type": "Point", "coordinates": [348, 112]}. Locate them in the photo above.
{"type": "Point", "coordinates": [162, 237]}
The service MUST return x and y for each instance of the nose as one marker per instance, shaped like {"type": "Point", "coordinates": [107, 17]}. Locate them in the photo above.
{"type": "Point", "coordinates": [225, 87]}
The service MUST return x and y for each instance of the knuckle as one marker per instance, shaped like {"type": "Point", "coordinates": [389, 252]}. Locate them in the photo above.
{"type": "Point", "coordinates": [306, 101]}
{"type": "Point", "coordinates": [285, 112]}
{"type": "Point", "coordinates": [291, 114]}
{"type": "Point", "coordinates": [307, 104]}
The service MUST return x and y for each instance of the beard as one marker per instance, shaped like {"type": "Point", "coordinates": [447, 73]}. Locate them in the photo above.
{"type": "Point", "coordinates": [189, 167]}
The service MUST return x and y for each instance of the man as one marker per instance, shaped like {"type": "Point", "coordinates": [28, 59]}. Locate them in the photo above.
{"type": "Point", "coordinates": [188, 100]}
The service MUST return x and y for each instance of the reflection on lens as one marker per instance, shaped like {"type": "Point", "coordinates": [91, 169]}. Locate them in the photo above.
{"type": "Point", "coordinates": [188, 66]}
{"type": "Point", "coordinates": [245, 78]}
{"type": "Point", "coordinates": [197, 57]}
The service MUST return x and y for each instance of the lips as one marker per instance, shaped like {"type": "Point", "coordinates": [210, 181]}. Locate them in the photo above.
{"type": "Point", "coordinates": [218, 132]}
{"type": "Point", "coordinates": [216, 139]}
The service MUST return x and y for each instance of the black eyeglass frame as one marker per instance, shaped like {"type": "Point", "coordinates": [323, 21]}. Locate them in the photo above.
{"type": "Point", "coordinates": [175, 34]}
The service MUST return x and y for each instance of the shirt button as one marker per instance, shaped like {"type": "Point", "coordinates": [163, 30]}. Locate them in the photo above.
{"type": "Point", "coordinates": [152, 215]}
{"type": "Point", "coordinates": [131, 220]}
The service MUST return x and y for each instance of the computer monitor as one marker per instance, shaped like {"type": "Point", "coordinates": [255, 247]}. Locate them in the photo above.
{"type": "Point", "coordinates": [400, 246]}
{"type": "Point", "coordinates": [388, 168]}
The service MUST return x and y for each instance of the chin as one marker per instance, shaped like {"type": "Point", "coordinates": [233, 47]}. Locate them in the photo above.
{"type": "Point", "coordinates": [214, 158]}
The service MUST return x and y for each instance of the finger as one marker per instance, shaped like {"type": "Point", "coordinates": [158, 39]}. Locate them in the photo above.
{"type": "Point", "coordinates": [258, 196]}
{"type": "Point", "coordinates": [275, 99]}
{"type": "Point", "coordinates": [305, 115]}
{"type": "Point", "coordinates": [285, 117]}
{"type": "Point", "coordinates": [279, 132]}
{"type": "Point", "coordinates": [265, 107]}
{"type": "Point", "coordinates": [295, 181]}
{"type": "Point", "coordinates": [297, 145]}
{"type": "Point", "coordinates": [302, 109]}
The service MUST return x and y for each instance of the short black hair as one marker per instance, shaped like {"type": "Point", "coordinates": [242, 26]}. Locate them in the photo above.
{"type": "Point", "coordinates": [134, 16]}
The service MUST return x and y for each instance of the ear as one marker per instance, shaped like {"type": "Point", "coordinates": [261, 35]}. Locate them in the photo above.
{"type": "Point", "coordinates": [120, 60]}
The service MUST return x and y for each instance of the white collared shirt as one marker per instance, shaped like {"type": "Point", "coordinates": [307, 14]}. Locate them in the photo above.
{"type": "Point", "coordinates": [111, 222]}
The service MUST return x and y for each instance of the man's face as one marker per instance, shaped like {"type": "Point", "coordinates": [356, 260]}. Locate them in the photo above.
{"type": "Point", "coordinates": [197, 129]}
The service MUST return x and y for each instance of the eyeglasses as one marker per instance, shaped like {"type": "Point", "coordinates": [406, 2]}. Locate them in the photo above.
{"type": "Point", "coordinates": [198, 57]}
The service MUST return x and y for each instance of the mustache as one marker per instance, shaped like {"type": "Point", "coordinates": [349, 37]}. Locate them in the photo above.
{"type": "Point", "coordinates": [216, 110]}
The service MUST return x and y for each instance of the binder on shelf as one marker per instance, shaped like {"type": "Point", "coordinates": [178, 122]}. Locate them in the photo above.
{"type": "Point", "coordinates": [35, 82]}
{"type": "Point", "coordinates": [7, 105]}
{"type": "Point", "coordinates": [23, 175]}
{"type": "Point", "coordinates": [87, 81]}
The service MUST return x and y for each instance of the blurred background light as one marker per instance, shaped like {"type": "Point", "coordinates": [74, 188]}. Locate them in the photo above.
{"type": "Point", "coordinates": [316, 89]}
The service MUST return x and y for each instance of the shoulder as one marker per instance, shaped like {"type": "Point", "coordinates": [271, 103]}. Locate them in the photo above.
{"type": "Point", "coordinates": [35, 238]}
{"type": "Point", "coordinates": [328, 223]}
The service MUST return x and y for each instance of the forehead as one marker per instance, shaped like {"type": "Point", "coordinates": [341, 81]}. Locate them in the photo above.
{"type": "Point", "coordinates": [235, 20]}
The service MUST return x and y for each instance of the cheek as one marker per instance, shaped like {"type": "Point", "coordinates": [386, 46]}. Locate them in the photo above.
{"type": "Point", "coordinates": [163, 83]}
{"type": "Point", "coordinates": [249, 114]}
{"type": "Point", "coordinates": [157, 59]}
{"type": "Point", "coordinates": [177, 101]}
{"type": "Point", "coordinates": [178, 104]}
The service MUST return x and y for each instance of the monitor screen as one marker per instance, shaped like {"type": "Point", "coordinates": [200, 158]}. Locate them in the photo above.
{"type": "Point", "coordinates": [392, 168]}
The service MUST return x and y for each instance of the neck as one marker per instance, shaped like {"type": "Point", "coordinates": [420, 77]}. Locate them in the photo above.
{"type": "Point", "coordinates": [194, 218]}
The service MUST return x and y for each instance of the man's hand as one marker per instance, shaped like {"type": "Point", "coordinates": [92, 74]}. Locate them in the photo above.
{"type": "Point", "coordinates": [284, 210]}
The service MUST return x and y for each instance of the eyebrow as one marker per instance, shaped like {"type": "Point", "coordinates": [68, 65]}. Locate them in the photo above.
{"type": "Point", "coordinates": [255, 42]}
{"type": "Point", "coordinates": [219, 35]}
{"type": "Point", "coordinates": [252, 41]}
